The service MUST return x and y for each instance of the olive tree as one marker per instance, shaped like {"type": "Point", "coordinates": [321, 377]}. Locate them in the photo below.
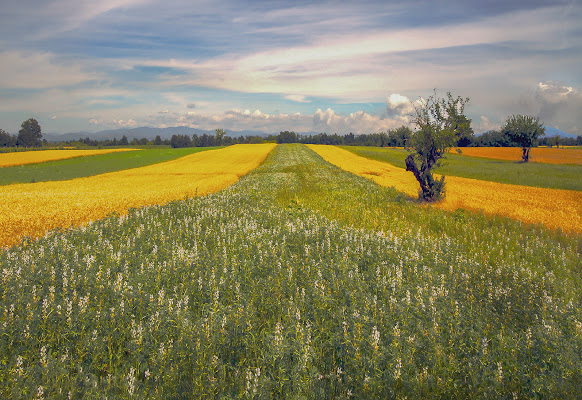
{"type": "Point", "coordinates": [524, 130]}
{"type": "Point", "coordinates": [439, 123]}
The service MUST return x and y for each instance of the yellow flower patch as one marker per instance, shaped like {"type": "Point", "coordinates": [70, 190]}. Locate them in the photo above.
{"type": "Point", "coordinates": [40, 156]}
{"type": "Point", "coordinates": [32, 209]}
{"type": "Point", "coordinates": [551, 207]}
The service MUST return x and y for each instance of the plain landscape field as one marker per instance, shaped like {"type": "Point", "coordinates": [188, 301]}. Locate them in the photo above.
{"type": "Point", "coordinates": [300, 280]}
{"type": "Point", "coordinates": [554, 208]}
{"type": "Point", "coordinates": [514, 172]}
{"type": "Point", "coordinates": [32, 209]}
{"type": "Point", "coordinates": [34, 157]}
{"type": "Point", "coordinates": [79, 167]}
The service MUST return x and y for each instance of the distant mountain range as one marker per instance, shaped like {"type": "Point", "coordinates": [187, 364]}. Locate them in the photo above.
{"type": "Point", "coordinates": [143, 132]}
{"type": "Point", "coordinates": [551, 132]}
{"type": "Point", "coordinates": [166, 133]}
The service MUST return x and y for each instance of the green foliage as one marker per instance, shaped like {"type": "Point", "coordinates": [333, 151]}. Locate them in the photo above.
{"type": "Point", "coordinates": [30, 134]}
{"type": "Point", "coordinates": [440, 124]}
{"type": "Point", "coordinates": [219, 134]}
{"type": "Point", "coordinates": [551, 176]}
{"type": "Point", "coordinates": [523, 130]}
{"type": "Point", "coordinates": [287, 137]}
{"type": "Point", "coordinates": [91, 165]}
{"type": "Point", "coordinates": [6, 139]}
{"type": "Point", "coordinates": [240, 295]}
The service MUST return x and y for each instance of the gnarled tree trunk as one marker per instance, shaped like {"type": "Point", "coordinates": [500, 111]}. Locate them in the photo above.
{"type": "Point", "coordinates": [430, 190]}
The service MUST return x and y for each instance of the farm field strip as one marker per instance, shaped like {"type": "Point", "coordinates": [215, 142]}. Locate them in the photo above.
{"type": "Point", "coordinates": [34, 208]}
{"type": "Point", "coordinates": [537, 154]}
{"type": "Point", "coordinates": [80, 167]}
{"type": "Point", "coordinates": [550, 176]}
{"type": "Point", "coordinates": [551, 207]}
{"type": "Point", "coordinates": [252, 292]}
{"type": "Point", "coordinates": [34, 157]}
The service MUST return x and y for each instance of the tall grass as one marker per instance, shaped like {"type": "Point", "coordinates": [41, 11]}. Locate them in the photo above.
{"type": "Point", "coordinates": [258, 292]}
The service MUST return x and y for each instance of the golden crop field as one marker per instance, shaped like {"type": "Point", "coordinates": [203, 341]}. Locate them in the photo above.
{"type": "Point", "coordinates": [34, 157]}
{"type": "Point", "coordinates": [32, 209]}
{"type": "Point", "coordinates": [551, 207]}
{"type": "Point", "coordinates": [537, 154]}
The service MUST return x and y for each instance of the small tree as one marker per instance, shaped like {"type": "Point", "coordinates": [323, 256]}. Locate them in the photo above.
{"type": "Point", "coordinates": [219, 133]}
{"type": "Point", "coordinates": [439, 125]}
{"type": "Point", "coordinates": [30, 134]}
{"type": "Point", "coordinates": [524, 130]}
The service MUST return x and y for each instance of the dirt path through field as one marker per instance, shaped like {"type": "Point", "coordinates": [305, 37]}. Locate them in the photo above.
{"type": "Point", "coordinates": [551, 207]}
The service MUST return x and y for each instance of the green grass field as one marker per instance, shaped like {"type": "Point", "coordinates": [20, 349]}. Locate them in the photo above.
{"type": "Point", "coordinates": [549, 176]}
{"type": "Point", "coordinates": [299, 281]}
{"type": "Point", "coordinates": [91, 165]}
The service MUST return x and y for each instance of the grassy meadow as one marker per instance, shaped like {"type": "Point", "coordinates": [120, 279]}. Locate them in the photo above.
{"type": "Point", "coordinates": [300, 280]}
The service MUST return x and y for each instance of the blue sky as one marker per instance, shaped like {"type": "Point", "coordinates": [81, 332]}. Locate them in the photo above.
{"type": "Point", "coordinates": [80, 65]}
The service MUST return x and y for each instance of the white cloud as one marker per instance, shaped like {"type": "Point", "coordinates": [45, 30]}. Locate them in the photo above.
{"type": "Point", "coordinates": [299, 98]}
{"type": "Point", "coordinates": [130, 123]}
{"type": "Point", "coordinates": [39, 71]}
{"type": "Point", "coordinates": [559, 105]}
{"type": "Point", "coordinates": [399, 105]}
{"type": "Point", "coordinates": [332, 66]}
{"type": "Point", "coordinates": [356, 122]}
{"type": "Point", "coordinates": [484, 124]}
{"type": "Point", "coordinates": [238, 120]}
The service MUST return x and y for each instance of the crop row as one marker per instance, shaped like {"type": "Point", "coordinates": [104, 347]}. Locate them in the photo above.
{"type": "Point", "coordinates": [35, 208]}
{"type": "Point", "coordinates": [34, 157]}
{"type": "Point", "coordinates": [552, 207]}
{"type": "Point", "coordinates": [538, 154]}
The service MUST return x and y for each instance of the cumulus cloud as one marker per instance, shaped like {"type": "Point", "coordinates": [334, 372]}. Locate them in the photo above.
{"type": "Point", "coordinates": [327, 120]}
{"type": "Point", "coordinates": [130, 123]}
{"type": "Point", "coordinates": [484, 124]}
{"type": "Point", "coordinates": [299, 98]}
{"type": "Point", "coordinates": [356, 122]}
{"type": "Point", "coordinates": [559, 106]}
{"type": "Point", "coordinates": [191, 105]}
{"type": "Point", "coordinates": [399, 105]}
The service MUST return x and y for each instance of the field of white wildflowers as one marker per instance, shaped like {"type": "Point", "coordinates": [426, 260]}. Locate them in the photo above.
{"type": "Point", "coordinates": [299, 281]}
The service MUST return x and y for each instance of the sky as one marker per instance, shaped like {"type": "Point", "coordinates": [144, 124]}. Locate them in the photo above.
{"type": "Point", "coordinates": [335, 67]}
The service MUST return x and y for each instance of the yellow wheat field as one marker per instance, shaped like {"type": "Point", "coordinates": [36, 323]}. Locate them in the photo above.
{"type": "Point", "coordinates": [34, 157]}
{"type": "Point", "coordinates": [551, 207]}
{"type": "Point", "coordinates": [32, 209]}
{"type": "Point", "coordinates": [537, 154]}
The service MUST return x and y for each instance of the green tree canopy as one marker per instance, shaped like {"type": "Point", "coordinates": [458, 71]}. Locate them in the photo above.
{"type": "Point", "coordinates": [524, 130]}
{"type": "Point", "coordinates": [30, 134]}
{"type": "Point", "coordinates": [6, 139]}
{"type": "Point", "coordinates": [219, 133]}
{"type": "Point", "coordinates": [440, 123]}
